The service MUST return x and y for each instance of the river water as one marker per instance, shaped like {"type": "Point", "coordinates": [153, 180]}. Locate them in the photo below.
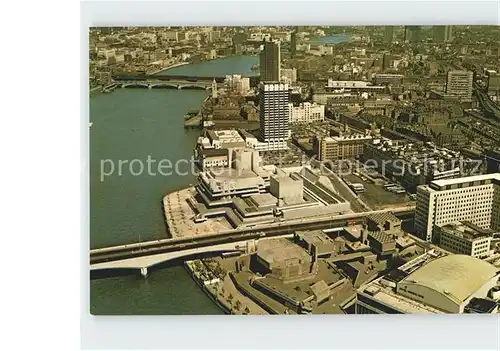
{"type": "Point", "coordinates": [125, 207]}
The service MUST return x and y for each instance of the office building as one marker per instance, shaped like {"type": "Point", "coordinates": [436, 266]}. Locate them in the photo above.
{"type": "Point", "coordinates": [464, 238]}
{"type": "Point", "coordinates": [442, 34]}
{"type": "Point", "coordinates": [389, 34]}
{"type": "Point", "coordinates": [413, 34]}
{"type": "Point", "coordinates": [270, 59]}
{"type": "Point", "coordinates": [459, 83]}
{"type": "Point", "coordinates": [341, 147]}
{"type": "Point", "coordinates": [433, 283]}
{"type": "Point", "coordinates": [293, 43]}
{"type": "Point", "coordinates": [306, 113]}
{"type": "Point", "coordinates": [475, 199]}
{"type": "Point", "coordinates": [274, 114]}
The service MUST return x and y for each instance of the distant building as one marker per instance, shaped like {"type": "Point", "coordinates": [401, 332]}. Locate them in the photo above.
{"type": "Point", "coordinates": [413, 34]}
{"type": "Point", "coordinates": [433, 283]}
{"type": "Point", "coordinates": [464, 238]}
{"type": "Point", "coordinates": [389, 34]}
{"type": "Point", "coordinates": [394, 79]}
{"type": "Point", "coordinates": [341, 147]}
{"type": "Point", "coordinates": [270, 59]}
{"type": "Point", "coordinates": [306, 113]}
{"type": "Point", "coordinates": [475, 199]}
{"type": "Point", "coordinates": [442, 34]}
{"type": "Point", "coordinates": [289, 75]}
{"type": "Point", "coordinates": [274, 114]}
{"type": "Point", "coordinates": [293, 43]}
{"type": "Point", "coordinates": [459, 83]}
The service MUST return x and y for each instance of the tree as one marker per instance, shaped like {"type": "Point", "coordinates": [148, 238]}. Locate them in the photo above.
{"type": "Point", "coordinates": [247, 310]}
{"type": "Point", "coordinates": [237, 305]}
{"type": "Point", "coordinates": [230, 297]}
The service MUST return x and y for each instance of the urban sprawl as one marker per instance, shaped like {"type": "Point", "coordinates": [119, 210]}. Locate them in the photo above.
{"type": "Point", "coordinates": [354, 177]}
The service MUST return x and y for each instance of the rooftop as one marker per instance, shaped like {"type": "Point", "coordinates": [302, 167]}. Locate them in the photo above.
{"type": "Point", "coordinates": [383, 217]}
{"type": "Point", "coordinates": [315, 237]}
{"type": "Point", "coordinates": [281, 251]}
{"type": "Point", "coordinates": [444, 182]}
{"type": "Point", "coordinates": [456, 276]}
{"type": "Point", "coordinates": [467, 230]}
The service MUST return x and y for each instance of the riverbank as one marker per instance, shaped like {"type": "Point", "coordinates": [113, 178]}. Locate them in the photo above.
{"type": "Point", "coordinates": [212, 276]}
{"type": "Point", "coordinates": [169, 67]}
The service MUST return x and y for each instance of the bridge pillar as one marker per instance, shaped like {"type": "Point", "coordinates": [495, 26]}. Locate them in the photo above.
{"type": "Point", "coordinates": [150, 87]}
{"type": "Point", "coordinates": [179, 87]}
{"type": "Point", "coordinates": [144, 271]}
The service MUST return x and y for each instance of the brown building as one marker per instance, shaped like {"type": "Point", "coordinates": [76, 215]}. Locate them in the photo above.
{"type": "Point", "coordinates": [340, 147]}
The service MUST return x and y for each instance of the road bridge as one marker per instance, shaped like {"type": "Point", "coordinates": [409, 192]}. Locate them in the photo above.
{"type": "Point", "coordinates": [161, 84]}
{"type": "Point", "coordinates": [145, 262]}
{"type": "Point", "coordinates": [182, 247]}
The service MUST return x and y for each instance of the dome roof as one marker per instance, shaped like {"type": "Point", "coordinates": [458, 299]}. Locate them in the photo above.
{"type": "Point", "coordinates": [457, 276]}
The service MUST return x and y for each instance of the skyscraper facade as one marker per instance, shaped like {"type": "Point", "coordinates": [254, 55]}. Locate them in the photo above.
{"type": "Point", "coordinates": [413, 34]}
{"type": "Point", "coordinates": [293, 43]}
{"type": "Point", "coordinates": [389, 34]}
{"type": "Point", "coordinates": [442, 34]}
{"type": "Point", "coordinates": [270, 59]}
{"type": "Point", "coordinates": [274, 114]}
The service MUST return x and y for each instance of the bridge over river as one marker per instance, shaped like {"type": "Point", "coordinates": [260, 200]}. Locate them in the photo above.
{"type": "Point", "coordinates": [144, 255]}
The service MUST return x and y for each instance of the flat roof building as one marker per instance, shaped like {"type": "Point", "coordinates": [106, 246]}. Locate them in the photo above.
{"type": "Point", "coordinates": [475, 199]}
{"type": "Point", "coordinates": [431, 283]}
{"type": "Point", "coordinates": [464, 238]}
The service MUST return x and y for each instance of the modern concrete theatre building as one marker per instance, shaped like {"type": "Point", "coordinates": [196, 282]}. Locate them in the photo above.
{"type": "Point", "coordinates": [433, 283]}
{"type": "Point", "coordinates": [475, 199]}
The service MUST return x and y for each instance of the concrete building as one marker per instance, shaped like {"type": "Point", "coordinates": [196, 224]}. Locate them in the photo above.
{"type": "Point", "coordinates": [464, 238]}
{"type": "Point", "coordinates": [274, 98]}
{"type": "Point", "coordinates": [414, 164]}
{"type": "Point", "coordinates": [385, 222]}
{"type": "Point", "coordinates": [208, 158]}
{"type": "Point", "coordinates": [316, 242]}
{"type": "Point", "coordinates": [224, 139]}
{"type": "Point", "coordinates": [433, 283]}
{"type": "Point", "coordinates": [270, 59]}
{"type": "Point", "coordinates": [284, 260]}
{"type": "Point", "coordinates": [459, 83]}
{"type": "Point", "coordinates": [442, 34]}
{"type": "Point", "coordinates": [341, 147]}
{"type": "Point", "coordinates": [306, 113]}
{"type": "Point", "coordinates": [475, 199]}
{"type": "Point", "coordinates": [287, 190]}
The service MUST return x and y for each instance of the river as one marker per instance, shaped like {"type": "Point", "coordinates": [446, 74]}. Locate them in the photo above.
{"type": "Point", "coordinates": [132, 124]}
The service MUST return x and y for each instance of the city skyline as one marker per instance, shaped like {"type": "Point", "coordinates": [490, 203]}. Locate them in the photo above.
{"type": "Point", "coordinates": [299, 169]}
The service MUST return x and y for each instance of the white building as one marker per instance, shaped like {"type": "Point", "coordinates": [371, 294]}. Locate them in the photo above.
{"type": "Point", "coordinates": [475, 199]}
{"type": "Point", "coordinates": [306, 113]}
{"type": "Point", "coordinates": [464, 238]}
{"type": "Point", "coordinates": [274, 114]}
{"type": "Point", "coordinates": [238, 83]}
